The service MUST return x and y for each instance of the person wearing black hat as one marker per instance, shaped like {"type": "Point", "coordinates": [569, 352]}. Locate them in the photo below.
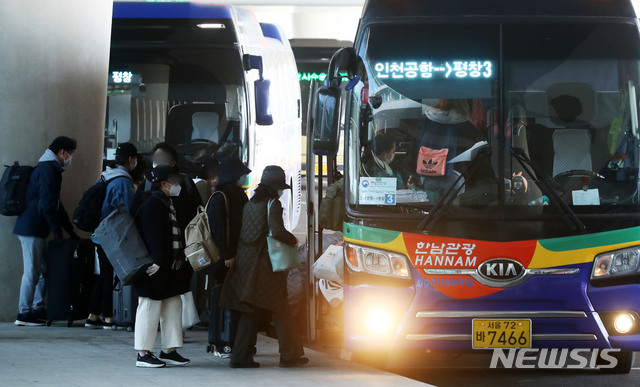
{"type": "Point", "coordinates": [159, 292]}
{"type": "Point", "coordinates": [251, 284]}
{"type": "Point", "coordinates": [120, 192]}
{"type": "Point", "coordinates": [224, 212]}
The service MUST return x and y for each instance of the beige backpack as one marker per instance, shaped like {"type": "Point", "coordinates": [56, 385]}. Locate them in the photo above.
{"type": "Point", "coordinates": [201, 250]}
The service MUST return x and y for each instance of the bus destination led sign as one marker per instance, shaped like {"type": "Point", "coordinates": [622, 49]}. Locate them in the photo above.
{"type": "Point", "coordinates": [470, 69]}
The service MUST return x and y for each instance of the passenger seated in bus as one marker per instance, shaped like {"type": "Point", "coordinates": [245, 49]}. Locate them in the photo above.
{"type": "Point", "coordinates": [447, 132]}
{"type": "Point", "coordinates": [377, 159]}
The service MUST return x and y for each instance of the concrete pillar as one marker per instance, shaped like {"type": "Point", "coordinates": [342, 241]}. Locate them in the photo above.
{"type": "Point", "coordinates": [53, 81]}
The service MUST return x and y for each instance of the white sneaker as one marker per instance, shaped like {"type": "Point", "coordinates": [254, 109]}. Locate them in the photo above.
{"type": "Point", "coordinates": [221, 355]}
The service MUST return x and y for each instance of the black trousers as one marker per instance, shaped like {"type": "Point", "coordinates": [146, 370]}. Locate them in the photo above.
{"type": "Point", "coordinates": [102, 296]}
{"type": "Point", "coordinates": [290, 346]}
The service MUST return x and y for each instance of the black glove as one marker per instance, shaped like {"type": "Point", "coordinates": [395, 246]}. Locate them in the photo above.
{"type": "Point", "coordinates": [58, 240]}
{"type": "Point", "coordinates": [74, 236]}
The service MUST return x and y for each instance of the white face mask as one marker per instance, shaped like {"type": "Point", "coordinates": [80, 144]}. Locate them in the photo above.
{"type": "Point", "coordinates": [175, 190]}
{"type": "Point", "coordinates": [280, 192]}
{"type": "Point", "coordinates": [134, 165]}
{"type": "Point", "coordinates": [393, 156]}
{"type": "Point", "coordinates": [66, 162]}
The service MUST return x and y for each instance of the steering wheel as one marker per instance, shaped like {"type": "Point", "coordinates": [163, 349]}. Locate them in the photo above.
{"type": "Point", "coordinates": [574, 173]}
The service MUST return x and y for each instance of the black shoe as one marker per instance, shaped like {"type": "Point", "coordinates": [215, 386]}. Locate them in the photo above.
{"type": "Point", "coordinates": [107, 325]}
{"type": "Point", "coordinates": [297, 362]}
{"type": "Point", "coordinates": [93, 324]}
{"type": "Point", "coordinates": [253, 364]}
{"type": "Point", "coordinates": [28, 320]}
{"type": "Point", "coordinates": [173, 358]}
{"type": "Point", "coordinates": [40, 314]}
{"type": "Point", "coordinates": [149, 361]}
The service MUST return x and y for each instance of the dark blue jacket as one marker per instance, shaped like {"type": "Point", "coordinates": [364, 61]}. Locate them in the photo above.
{"type": "Point", "coordinates": [45, 212]}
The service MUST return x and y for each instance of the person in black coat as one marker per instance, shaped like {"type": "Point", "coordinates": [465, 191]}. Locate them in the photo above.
{"type": "Point", "coordinates": [186, 203]}
{"type": "Point", "coordinates": [159, 292]}
{"type": "Point", "coordinates": [252, 286]}
{"type": "Point", "coordinates": [44, 214]}
{"type": "Point", "coordinates": [224, 212]}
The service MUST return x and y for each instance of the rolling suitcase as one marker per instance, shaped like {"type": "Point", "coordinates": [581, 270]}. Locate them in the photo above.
{"type": "Point", "coordinates": [125, 303]}
{"type": "Point", "coordinates": [222, 324]}
{"type": "Point", "coordinates": [70, 280]}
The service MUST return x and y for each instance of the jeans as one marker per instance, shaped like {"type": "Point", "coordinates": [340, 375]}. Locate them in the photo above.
{"type": "Point", "coordinates": [33, 286]}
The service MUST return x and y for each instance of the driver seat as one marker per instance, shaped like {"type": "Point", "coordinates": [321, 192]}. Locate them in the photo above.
{"type": "Point", "coordinates": [205, 126]}
{"type": "Point", "coordinates": [571, 150]}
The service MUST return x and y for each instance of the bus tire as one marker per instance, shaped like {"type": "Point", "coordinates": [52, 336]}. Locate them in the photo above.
{"type": "Point", "coordinates": [374, 359]}
{"type": "Point", "coordinates": [625, 362]}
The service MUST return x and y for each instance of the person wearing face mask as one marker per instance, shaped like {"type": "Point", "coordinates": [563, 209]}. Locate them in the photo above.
{"type": "Point", "coordinates": [224, 212]}
{"type": "Point", "coordinates": [159, 292]}
{"type": "Point", "coordinates": [189, 200]}
{"type": "Point", "coordinates": [208, 178]}
{"type": "Point", "coordinates": [120, 192]}
{"type": "Point", "coordinates": [44, 214]}
{"type": "Point", "coordinates": [377, 161]}
{"type": "Point", "coordinates": [252, 286]}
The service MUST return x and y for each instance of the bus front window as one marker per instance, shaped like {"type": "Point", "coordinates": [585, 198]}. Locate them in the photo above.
{"type": "Point", "coordinates": [442, 110]}
{"type": "Point", "coordinates": [431, 100]}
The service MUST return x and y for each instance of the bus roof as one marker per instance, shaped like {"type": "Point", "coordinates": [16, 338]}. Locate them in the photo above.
{"type": "Point", "coordinates": [167, 10]}
{"type": "Point", "coordinates": [374, 9]}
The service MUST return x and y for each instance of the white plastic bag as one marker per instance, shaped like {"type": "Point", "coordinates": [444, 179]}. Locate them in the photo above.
{"type": "Point", "coordinates": [332, 291]}
{"type": "Point", "coordinates": [189, 312]}
{"type": "Point", "coordinates": [330, 264]}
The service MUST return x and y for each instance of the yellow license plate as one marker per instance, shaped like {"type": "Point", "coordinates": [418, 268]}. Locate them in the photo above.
{"type": "Point", "coordinates": [501, 334]}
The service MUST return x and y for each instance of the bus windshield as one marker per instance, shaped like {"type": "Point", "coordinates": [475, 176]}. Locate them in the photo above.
{"type": "Point", "coordinates": [433, 96]}
{"type": "Point", "coordinates": [192, 98]}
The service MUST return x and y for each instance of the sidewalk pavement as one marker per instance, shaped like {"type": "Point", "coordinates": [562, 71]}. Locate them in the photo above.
{"type": "Point", "coordinates": [78, 356]}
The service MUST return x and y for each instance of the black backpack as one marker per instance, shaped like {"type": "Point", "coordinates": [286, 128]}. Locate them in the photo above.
{"type": "Point", "coordinates": [13, 189]}
{"type": "Point", "coordinates": [87, 216]}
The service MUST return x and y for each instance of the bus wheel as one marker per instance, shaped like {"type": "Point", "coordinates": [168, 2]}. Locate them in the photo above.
{"type": "Point", "coordinates": [375, 359]}
{"type": "Point", "coordinates": [625, 362]}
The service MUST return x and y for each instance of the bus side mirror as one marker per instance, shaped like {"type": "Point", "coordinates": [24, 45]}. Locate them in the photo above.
{"type": "Point", "coordinates": [261, 86]}
{"type": "Point", "coordinates": [263, 115]}
{"type": "Point", "coordinates": [326, 130]}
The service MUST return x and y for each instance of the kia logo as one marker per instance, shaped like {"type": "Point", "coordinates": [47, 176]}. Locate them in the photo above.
{"type": "Point", "coordinates": [501, 269]}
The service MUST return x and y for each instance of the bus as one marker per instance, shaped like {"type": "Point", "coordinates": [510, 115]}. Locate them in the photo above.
{"type": "Point", "coordinates": [492, 196]}
{"type": "Point", "coordinates": [210, 80]}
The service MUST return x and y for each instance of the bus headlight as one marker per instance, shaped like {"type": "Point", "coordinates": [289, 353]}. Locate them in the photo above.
{"type": "Point", "coordinates": [616, 263]}
{"type": "Point", "coordinates": [374, 261]}
{"type": "Point", "coordinates": [378, 321]}
{"type": "Point", "coordinates": [624, 322]}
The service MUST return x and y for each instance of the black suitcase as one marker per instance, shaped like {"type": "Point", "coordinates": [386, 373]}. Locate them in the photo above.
{"type": "Point", "coordinates": [70, 280]}
{"type": "Point", "coordinates": [125, 304]}
{"type": "Point", "coordinates": [222, 323]}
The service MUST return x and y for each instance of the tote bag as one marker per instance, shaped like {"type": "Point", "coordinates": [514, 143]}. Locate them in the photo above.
{"type": "Point", "coordinates": [283, 256]}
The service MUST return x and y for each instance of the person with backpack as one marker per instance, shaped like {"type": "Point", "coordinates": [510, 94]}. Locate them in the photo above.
{"type": "Point", "coordinates": [159, 292]}
{"type": "Point", "coordinates": [43, 215]}
{"type": "Point", "coordinates": [118, 191]}
{"type": "Point", "coordinates": [252, 285]}
{"type": "Point", "coordinates": [224, 213]}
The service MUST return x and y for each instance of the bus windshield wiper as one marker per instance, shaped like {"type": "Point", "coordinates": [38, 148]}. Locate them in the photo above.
{"type": "Point", "coordinates": [542, 181]}
{"type": "Point", "coordinates": [441, 206]}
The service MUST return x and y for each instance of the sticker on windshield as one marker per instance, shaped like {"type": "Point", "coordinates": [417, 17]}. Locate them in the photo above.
{"type": "Point", "coordinates": [590, 197]}
{"type": "Point", "coordinates": [378, 191]}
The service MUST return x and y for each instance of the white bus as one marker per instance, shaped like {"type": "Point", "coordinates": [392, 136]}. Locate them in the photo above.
{"type": "Point", "coordinates": [210, 80]}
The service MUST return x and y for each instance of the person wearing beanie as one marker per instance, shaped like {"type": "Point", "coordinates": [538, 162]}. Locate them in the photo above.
{"type": "Point", "coordinates": [159, 292]}
{"type": "Point", "coordinates": [251, 284]}
{"type": "Point", "coordinates": [224, 212]}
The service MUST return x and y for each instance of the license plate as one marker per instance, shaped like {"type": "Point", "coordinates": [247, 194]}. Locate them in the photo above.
{"type": "Point", "coordinates": [501, 334]}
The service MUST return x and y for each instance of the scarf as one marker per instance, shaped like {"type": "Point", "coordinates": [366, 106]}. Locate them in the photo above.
{"type": "Point", "coordinates": [176, 239]}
